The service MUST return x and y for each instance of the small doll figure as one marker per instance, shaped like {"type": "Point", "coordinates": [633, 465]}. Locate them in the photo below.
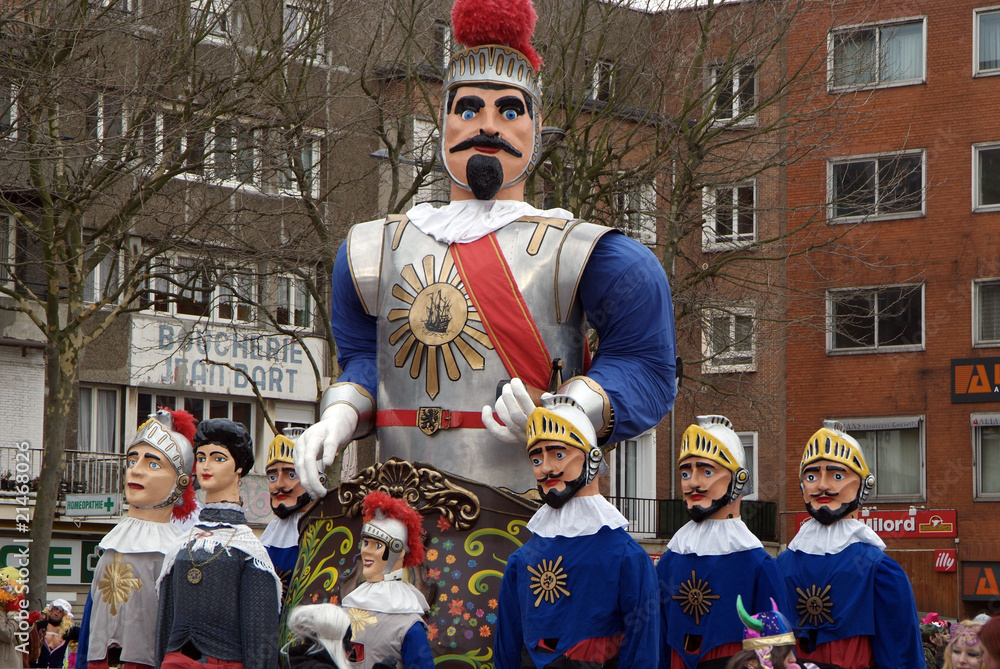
{"type": "Point", "coordinates": [387, 612]}
{"type": "Point", "coordinates": [219, 595]}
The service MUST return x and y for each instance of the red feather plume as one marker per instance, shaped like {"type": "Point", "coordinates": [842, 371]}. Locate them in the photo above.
{"type": "Point", "coordinates": [185, 425]}
{"type": "Point", "coordinates": [507, 22]}
{"type": "Point", "coordinates": [403, 512]}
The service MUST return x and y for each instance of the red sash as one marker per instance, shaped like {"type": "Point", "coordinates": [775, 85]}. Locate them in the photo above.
{"type": "Point", "coordinates": [509, 325]}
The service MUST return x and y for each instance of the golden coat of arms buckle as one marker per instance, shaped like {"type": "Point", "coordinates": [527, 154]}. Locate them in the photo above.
{"type": "Point", "coordinates": [429, 419]}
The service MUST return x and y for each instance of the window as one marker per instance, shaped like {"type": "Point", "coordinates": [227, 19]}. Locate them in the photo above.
{"type": "Point", "coordinates": [730, 215]}
{"type": "Point", "coordinates": [7, 249]}
{"type": "Point", "coordinates": [736, 91]}
{"type": "Point", "coordinates": [194, 292]}
{"type": "Point", "coordinates": [601, 86]}
{"type": "Point", "coordinates": [236, 297]}
{"type": "Point", "coordinates": [636, 211]}
{"type": "Point", "coordinates": [443, 43]}
{"type": "Point", "coordinates": [233, 154]}
{"type": "Point", "coordinates": [104, 280]}
{"type": "Point", "coordinates": [987, 41]}
{"type": "Point", "coordinates": [986, 313]}
{"type": "Point", "coordinates": [213, 17]}
{"type": "Point", "coordinates": [881, 187]}
{"type": "Point", "coordinates": [294, 302]}
{"type": "Point", "coordinates": [307, 158]}
{"type": "Point", "coordinates": [106, 125]}
{"type": "Point", "coordinates": [728, 340]}
{"type": "Point", "coordinates": [201, 408]}
{"type": "Point", "coordinates": [877, 55]}
{"type": "Point", "coordinates": [986, 443]}
{"type": "Point", "coordinates": [633, 481]}
{"type": "Point", "coordinates": [986, 177]}
{"type": "Point", "coordinates": [124, 6]}
{"type": "Point", "coordinates": [97, 420]}
{"type": "Point", "coordinates": [873, 319]}
{"type": "Point", "coordinates": [8, 111]}
{"type": "Point", "coordinates": [894, 450]}
{"type": "Point", "coordinates": [749, 441]}
{"type": "Point", "coordinates": [301, 31]}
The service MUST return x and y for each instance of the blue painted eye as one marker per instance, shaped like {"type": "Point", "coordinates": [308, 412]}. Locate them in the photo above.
{"type": "Point", "coordinates": [468, 115]}
{"type": "Point", "coordinates": [560, 455]}
{"type": "Point", "coordinates": [685, 475]}
{"type": "Point", "coordinates": [536, 462]}
{"type": "Point", "coordinates": [510, 115]}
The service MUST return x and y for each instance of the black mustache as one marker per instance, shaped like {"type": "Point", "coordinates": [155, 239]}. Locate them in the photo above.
{"type": "Point", "coordinates": [486, 141]}
{"type": "Point", "coordinates": [824, 494]}
{"type": "Point", "coordinates": [281, 492]}
{"type": "Point", "coordinates": [557, 475]}
{"type": "Point", "coordinates": [697, 491]}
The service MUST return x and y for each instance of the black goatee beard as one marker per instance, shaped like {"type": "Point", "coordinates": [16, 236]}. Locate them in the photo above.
{"type": "Point", "coordinates": [282, 511]}
{"type": "Point", "coordinates": [556, 499]}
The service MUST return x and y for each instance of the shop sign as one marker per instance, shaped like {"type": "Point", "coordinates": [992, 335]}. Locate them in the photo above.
{"type": "Point", "coordinates": [71, 561]}
{"type": "Point", "coordinates": [981, 581]}
{"type": "Point", "coordinates": [975, 380]}
{"type": "Point", "coordinates": [944, 560]}
{"type": "Point", "coordinates": [93, 505]}
{"type": "Point", "coordinates": [923, 524]}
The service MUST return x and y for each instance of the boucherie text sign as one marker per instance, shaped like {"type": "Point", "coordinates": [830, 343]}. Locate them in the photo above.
{"type": "Point", "coordinates": [922, 525]}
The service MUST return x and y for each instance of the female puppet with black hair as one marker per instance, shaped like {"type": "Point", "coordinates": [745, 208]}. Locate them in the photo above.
{"type": "Point", "coordinates": [219, 595]}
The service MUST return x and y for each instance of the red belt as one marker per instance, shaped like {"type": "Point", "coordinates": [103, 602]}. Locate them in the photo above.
{"type": "Point", "coordinates": [430, 419]}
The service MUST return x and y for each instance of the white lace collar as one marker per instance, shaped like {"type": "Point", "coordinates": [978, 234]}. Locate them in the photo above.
{"type": "Point", "coordinates": [282, 532]}
{"type": "Point", "coordinates": [815, 538]}
{"type": "Point", "coordinates": [135, 535]}
{"type": "Point", "coordinates": [579, 517]}
{"type": "Point", "coordinates": [393, 595]}
{"type": "Point", "coordinates": [714, 537]}
{"type": "Point", "coordinates": [464, 221]}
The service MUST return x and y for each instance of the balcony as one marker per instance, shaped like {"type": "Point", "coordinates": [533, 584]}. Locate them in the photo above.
{"type": "Point", "coordinates": [85, 472]}
{"type": "Point", "coordinates": [663, 517]}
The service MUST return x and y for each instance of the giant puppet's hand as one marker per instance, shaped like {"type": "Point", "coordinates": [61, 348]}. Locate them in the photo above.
{"type": "Point", "coordinates": [323, 441]}
{"type": "Point", "coordinates": [513, 407]}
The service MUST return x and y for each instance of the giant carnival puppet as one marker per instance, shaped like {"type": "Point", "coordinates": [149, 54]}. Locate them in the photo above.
{"type": "Point", "coordinates": [219, 595]}
{"type": "Point", "coordinates": [580, 592]}
{"type": "Point", "coordinates": [119, 620]}
{"type": "Point", "coordinates": [854, 603]}
{"type": "Point", "coordinates": [433, 309]}
{"type": "Point", "coordinates": [714, 558]}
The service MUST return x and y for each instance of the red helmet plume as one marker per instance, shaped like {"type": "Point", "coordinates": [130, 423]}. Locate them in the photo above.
{"type": "Point", "coordinates": [402, 512]}
{"type": "Point", "coordinates": [507, 22]}
{"type": "Point", "coordinates": [185, 424]}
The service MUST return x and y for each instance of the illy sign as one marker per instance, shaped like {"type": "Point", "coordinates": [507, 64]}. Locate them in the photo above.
{"type": "Point", "coordinates": [944, 559]}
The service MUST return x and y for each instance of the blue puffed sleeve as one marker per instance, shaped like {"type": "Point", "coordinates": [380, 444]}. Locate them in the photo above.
{"type": "Point", "coordinates": [509, 638]}
{"type": "Point", "coordinates": [639, 600]}
{"type": "Point", "coordinates": [83, 645]}
{"type": "Point", "coordinates": [626, 297]}
{"type": "Point", "coordinates": [416, 650]}
{"type": "Point", "coordinates": [354, 331]}
{"type": "Point", "coordinates": [896, 640]}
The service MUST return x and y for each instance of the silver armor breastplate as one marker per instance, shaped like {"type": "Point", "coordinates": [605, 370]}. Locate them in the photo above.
{"type": "Point", "coordinates": [434, 356]}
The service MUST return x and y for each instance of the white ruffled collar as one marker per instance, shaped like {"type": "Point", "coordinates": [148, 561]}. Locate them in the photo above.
{"type": "Point", "coordinates": [464, 221]}
{"type": "Point", "coordinates": [815, 538]}
{"type": "Point", "coordinates": [714, 537]}
{"type": "Point", "coordinates": [579, 517]}
{"type": "Point", "coordinates": [393, 595]}
{"type": "Point", "coordinates": [135, 535]}
{"type": "Point", "coordinates": [282, 532]}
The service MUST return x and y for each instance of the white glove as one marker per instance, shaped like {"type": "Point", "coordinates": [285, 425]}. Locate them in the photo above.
{"type": "Point", "coordinates": [513, 406]}
{"type": "Point", "coordinates": [323, 441]}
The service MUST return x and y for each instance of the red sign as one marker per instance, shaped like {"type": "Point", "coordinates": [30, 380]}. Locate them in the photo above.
{"type": "Point", "coordinates": [944, 560]}
{"type": "Point", "coordinates": [926, 523]}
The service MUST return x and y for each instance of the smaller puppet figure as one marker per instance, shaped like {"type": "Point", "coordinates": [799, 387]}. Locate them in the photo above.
{"type": "Point", "coordinates": [580, 592]}
{"type": "Point", "coordinates": [219, 595]}
{"type": "Point", "coordinates": [854, 603]}
{"type": "Point", "coordinates": [324, 631]}
{"type": "Point", "coordinates": [714, 558]}
{"type": "Point", "coordinates": [768, 642]}
{"type": "Point", "coordinates": [119, 619]}
{"type": "Point", "coordinates": [387, 612]}
{"type": "Point", "coordinates": [289, 500]}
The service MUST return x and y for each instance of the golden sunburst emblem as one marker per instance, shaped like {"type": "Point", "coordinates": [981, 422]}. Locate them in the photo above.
{"type": "Point", "coordinates": [814, 605]}
{"type": "Point", "coordinates": [117, 583]}
{"type": "Point", "coordinates": [695, 597]}
{"type": "Point", "coordinates": [360, 619]}
{"type": "Point", "coordinates": [438, 317]}
{"type": "Point", "coordinates": [548, 581]}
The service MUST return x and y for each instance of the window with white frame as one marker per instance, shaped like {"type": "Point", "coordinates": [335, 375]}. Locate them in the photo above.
{"type": "Point", "coordinates": [106, 124]}
{"type": "Point", "coordinates": [436, 186]}
{"type": "Point", "coordinates": [233, 154]}
{"type": "Point", "coordinates": [636, 211]}
{"type": "Point", "coordinates": [124, 6]}
{"type": "Point", "coordinates": [8, 111]}
{"type": "Point", "coordinates": [106, 277]}
{"type": "Point", "coordinates": [8, 251]}
{"type": "Point", "coordinates": [730, 215]}
{"type": "Point", "coordinates": [201, 408]}
{"type": "Point", "coordinates": [633, 479]}
{"type": "Point", "coordinates": [986, 442]}
{"type": "Point", "coordinates": [214, 18]}
{"type": "Point", "coordinates": [894, 450]}
{"type": "Point", "coordinates": [236, 295]}
{"type": "Point", "coordinates": [986, 312]}
{"type": "Point", "coordinates": [877, 187]}
{"type": "Point", "coordinates": [735, 92]}
{"type": "Point", "coordinates": [987, 41]}
{"type": "Point", "coordinates": [601, 85]}
{"type": "Point", "coordinates": [193, 288]}
{"type": "Point", "coordinates": [294, 302]}
{"type": "Point", "coordinates": [749, 442]}
{"type": "Point", "coordinates": [306, 159]}
{"type": "Point", "coordinates": [301, 30]}
{"type": "Point", "coordinates": [871, 319]}
{"type": "Point", "coordinates": [869, 56]}
{"type": "Point", "coordinates": [97, 420]}
{"type": "Point", "coordinates": [443, 42]}
{"type": "Point", "coordinates": [728, 340]}
{"type": "Point", "coordinates": [986, 177]}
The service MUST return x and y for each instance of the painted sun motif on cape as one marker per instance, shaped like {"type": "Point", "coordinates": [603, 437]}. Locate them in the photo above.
{"type": "Point", "coordinates": [437, 322]}
{"type": "Point", "coordinates": [117, 583]}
